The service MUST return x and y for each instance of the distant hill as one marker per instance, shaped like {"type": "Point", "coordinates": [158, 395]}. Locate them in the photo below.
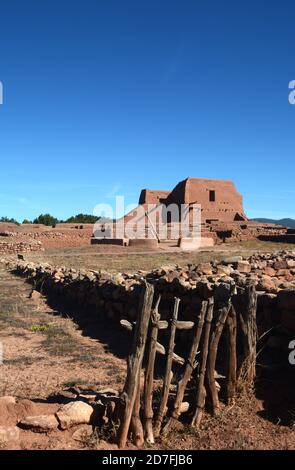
{"type": "Point", "coordinates": [290, 223]}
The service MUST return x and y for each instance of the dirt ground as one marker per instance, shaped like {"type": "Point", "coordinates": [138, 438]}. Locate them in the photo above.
{"type": "Point", "coordinates": [46, 350]}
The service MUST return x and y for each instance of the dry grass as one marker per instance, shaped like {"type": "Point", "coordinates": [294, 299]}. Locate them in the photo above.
{"type": "Point", "coordinates": [118, 259]}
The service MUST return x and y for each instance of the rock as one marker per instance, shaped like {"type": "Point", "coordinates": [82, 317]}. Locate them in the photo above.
{"type": "Point", "coordinates": [224, 270]}
{"type": "Point", "coordinates": [286, 285]}
{"type": "Point", "coordinates": [8, 434]}
{"type": "Point", "coordinates": [108, 391]}
{"type": "Point", "coordinates": [166, 269]}
{"type": "Point", "coordinates": [243, 266]}
{"type": "Point", "coordinates": [267, 284]}
{"type": "Point", "coordinates": [41, 423]}
{"type": "Point", "coordinates": [285, 274]}
{"type": "Point", "coordinates": [7, 400]}
{"type": "Point", "coordinates": [280, 265]}
{"type": "Point", "coordinates": [35, 295]}
{"type": "Point", "coordinates": [232, 259]}
{"type": "Point", "coordinates": [89, 396]}
{"type": "Point", "coordinates": [205, 268]}
{"type": "Point", "coordinates": [291, 263]}
{"type": "Point", "coordinates": [118, 278]}
{"type": "Point", "coordinates": [184, 275]}
{"type": "Point", "coordinates": [82, 432]}
{"type": "Point", "coordinates": [268, 271]}
{"type": "Point", "coordinates": [77, 412]}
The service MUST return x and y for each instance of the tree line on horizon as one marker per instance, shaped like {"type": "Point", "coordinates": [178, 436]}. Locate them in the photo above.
{"type": "Point", "coordinates": [49, 220]}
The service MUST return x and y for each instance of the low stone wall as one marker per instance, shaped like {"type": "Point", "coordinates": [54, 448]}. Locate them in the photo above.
{"type": "Point", "coordinates": [116, 295]}
{"type": "Point", "coordinates": [19, 247]}
{"type": "Point", "coordinates": [35, 235]}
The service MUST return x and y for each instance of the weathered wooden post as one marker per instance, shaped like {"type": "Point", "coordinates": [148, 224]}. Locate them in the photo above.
{"type": "Point", "coordinates": [168, 372]}
{"type": "Point", "coordinates": [212, 355]}
{"type": "Point", "coordinates": [149, 377]}
{"type": "Point", "coordinates": [231, 325]}
{"type": "Point", "coordinates": [189, 367]}
{"type": "Point", "coordinates": [134, 362]}
{"type": "Point", "coordinates": [136, 424]}
{"type": "Point", "coordinates": [201, 390]}
{"type": "Point", "coordinates": [248, 325]}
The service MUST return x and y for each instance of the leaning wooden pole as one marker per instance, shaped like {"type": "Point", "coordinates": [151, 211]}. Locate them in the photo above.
{"type": "Point", "coordinates": [201, 390]}
{"type": "Point", "coordinates": [189, 367]}
{"type": "Point", "coordinates": [134, 362]}
{"type": "Point", "coordinates": [249, 331]}
{"type": "Point", "coordinates": [149, 377]}
{"type": "Point", "coordinates": [231, 325]}
{"type": "Point", "coordinates": [212, 355]}
{"type": "Point", "coordinates": [136, 424]}
{"type": "Point", "coordinates": [168, 372]}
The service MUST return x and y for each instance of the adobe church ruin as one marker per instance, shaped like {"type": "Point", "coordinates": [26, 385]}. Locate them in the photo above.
{"type": "Point", "coordinates": [219, 199]}
{"type": "Point", "coordinates": [222, 216]}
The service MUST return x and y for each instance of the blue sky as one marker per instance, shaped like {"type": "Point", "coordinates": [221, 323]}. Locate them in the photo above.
{"type": "Point", "coordinates": [105, 97]}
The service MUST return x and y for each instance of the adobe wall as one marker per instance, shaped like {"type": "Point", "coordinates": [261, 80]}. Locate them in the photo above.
{"type": "Point", "coordinates": [151, 196]}
{"type": "Point", "coordinates": [219, 199]}
{"type": "Point", "coordinates": [227, 201]}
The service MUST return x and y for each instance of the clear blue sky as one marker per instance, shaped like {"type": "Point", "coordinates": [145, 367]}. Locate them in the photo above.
{"type": "Point", "coordinates": [105, 97]}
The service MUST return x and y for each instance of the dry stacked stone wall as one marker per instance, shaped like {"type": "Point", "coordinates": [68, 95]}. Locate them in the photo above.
{"type": "Point", "coordinates": [116, 296]}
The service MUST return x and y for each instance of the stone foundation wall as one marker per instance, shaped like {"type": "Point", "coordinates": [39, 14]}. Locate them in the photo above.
{"type": "Point", "coordinates": [35, 235]}
{"type": "Point", "coordinates": [19, 247]}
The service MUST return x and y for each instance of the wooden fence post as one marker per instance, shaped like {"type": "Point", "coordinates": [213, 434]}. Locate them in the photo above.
{"type": "Point", "coordinates": [201, 390]}
{"type": "Point", "coordinates": [134, 362]}
{"type": "Point", "coordinates": [135, 424]}
{"type": "Point", "coordinates": [167, 379]}
{"type": "Point", "coordinates": [189, 367]}
{"type": "Point", "coordinates": [249, 331]}
{"type": "Point", "coordinates": [231, 325]}
{"type": "Point", "coordinates": [149, 377]}
{"type": "Point", "coordinates": [212, 355]}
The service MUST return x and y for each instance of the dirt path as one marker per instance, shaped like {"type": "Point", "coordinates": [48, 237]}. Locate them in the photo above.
{"type": "Point", "coordinates": [43, 351]}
